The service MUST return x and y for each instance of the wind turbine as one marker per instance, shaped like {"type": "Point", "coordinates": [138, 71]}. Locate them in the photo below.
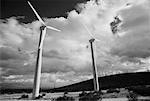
{"type": "Point", "coordinates": [36, 85]}
{"type": "Point", "coordinates": [95, 74]}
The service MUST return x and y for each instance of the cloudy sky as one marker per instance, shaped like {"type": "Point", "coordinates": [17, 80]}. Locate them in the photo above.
{"type": "Point", "coordinates": [66, 54]}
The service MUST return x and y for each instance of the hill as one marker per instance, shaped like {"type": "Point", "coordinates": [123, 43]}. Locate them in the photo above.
{"type": "Point", "coordinates": [106, 82]}
{"type": "Point", "coordinates": [112, 81]}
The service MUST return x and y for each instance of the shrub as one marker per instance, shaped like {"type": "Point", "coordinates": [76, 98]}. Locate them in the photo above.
{"type": "Point", "coordinates": [132, 96]}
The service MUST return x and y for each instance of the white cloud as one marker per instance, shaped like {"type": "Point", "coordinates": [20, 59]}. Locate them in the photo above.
{"type": "Point", "coordinates": [135, 41]}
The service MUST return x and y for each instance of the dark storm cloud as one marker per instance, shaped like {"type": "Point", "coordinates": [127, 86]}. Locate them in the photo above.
{"type": "Point", "coordinates": [46, 8]}
{"type": "Point", "coordinates": [132, 53]}
{"type": "Point", "coordinates": [13, 62]}
{"type": "Point", "coordinates": [54, 54]}
{"type": "Point", "coordinates": [16, 67]}
{"type": "Point", "coordinates": [7, 53]}
{"type": "Point", "coordinates": [55, 66]}
{"type": "Point", "coordinates": [132, 60]}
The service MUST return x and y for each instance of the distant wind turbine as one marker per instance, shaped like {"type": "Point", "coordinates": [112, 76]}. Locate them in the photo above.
{"type": "Point", "coordinates": [95, 74]}
{"type": "Point", "coordinates": [36, 86]}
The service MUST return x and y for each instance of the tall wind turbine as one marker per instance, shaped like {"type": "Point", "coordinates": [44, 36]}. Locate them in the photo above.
{"type": "Point", "coordinates": [95, 74]}
{"type": "Point", "coordinates": [36, 86]}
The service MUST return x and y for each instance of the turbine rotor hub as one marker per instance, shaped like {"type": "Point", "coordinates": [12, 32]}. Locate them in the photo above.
{"type": "Point", "coordinates": [42, 27]}
{"type": "Point", "coordinates": [91, 40]}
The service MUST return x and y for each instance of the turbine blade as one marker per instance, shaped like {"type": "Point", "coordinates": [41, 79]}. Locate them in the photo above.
{"type": "Point", "coordinates": [37, 15]}
{"type": "Point", "coordinates": [42, 37]}
{"type": "Point", "coordinates": [89, 32]}
{"type": "Point", "coordinates": [52, 28]}
{"type": "Point", "coordinates": [97, 39]}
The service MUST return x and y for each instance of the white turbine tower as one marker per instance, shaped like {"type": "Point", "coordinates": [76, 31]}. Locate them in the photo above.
{"type": "Point", "coordinates": [36, 86]}
{"type": "Point", "coordinates": [95, 74]}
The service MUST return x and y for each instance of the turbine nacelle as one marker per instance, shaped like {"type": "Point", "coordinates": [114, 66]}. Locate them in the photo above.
{"type": "Point", "coordinates": [91, 40]}
{"type": "Point", "coordinates": [42, 27]}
